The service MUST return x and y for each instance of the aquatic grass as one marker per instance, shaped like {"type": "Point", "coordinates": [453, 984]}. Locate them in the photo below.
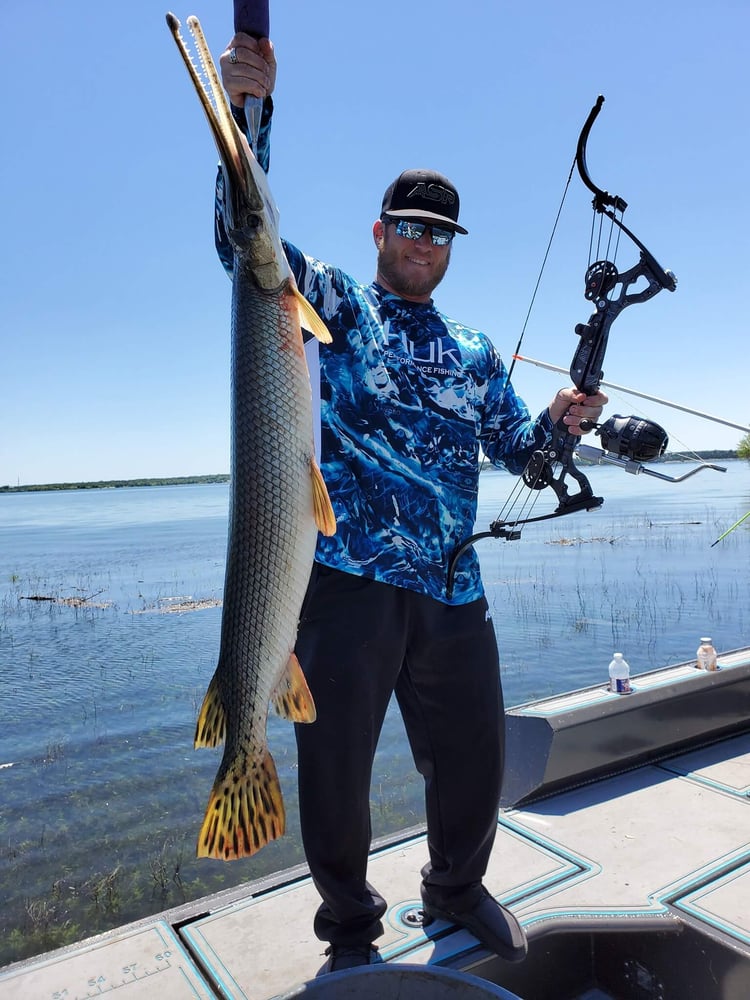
{"type": "Point", "coordinates": [165, 868]}
{"type": "Point", "coordinates": [53, 754]}
{"type": "Point", "coordinates": [104, 890]}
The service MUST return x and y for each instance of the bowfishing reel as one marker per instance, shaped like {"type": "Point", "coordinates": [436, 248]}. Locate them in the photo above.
{"type": "Point", "coordinates": [632, 437]}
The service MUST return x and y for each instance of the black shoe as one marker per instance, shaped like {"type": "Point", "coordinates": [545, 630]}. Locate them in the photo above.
{"type": "Point", "coordinates": [488, 921]}
{"type": "Point", "coordinates": [349, 956]}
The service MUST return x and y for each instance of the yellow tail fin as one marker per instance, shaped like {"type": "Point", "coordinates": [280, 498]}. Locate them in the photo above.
{"type": "Point", "coordinates": [322, 509]}
{"type": "Point", "coordinates": [310, 319]}
{"type": "Point", "coordinates": [211, 727]}
{"type": "Point", "coordinates": [245, 811]}
{"type": "Point", "coordinates": [292, 699]}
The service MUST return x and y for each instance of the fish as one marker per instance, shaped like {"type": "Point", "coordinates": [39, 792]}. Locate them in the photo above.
{"type": "Point", "coordinates": [278, 499]}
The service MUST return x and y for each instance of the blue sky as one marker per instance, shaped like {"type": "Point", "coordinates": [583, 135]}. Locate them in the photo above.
{"type": "Point", "coordinates": [115, 312]}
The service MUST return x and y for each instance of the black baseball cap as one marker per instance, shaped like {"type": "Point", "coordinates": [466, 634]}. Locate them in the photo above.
{"type": "Point", "coordinates": [423, 194]}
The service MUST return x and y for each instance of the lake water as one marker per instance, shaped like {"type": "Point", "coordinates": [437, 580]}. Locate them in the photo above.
{"type": "Point", "coordinates": [101, 793]}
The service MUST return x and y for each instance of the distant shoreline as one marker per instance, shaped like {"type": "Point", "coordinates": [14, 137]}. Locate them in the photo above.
{"type": "Point", "coordinates": [117, 484]}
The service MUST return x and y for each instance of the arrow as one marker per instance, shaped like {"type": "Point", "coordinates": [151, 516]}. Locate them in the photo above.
{"type": "Point", "coordinates": [643, 395]}
{"type": "Point", "coordinates": [735, 525]}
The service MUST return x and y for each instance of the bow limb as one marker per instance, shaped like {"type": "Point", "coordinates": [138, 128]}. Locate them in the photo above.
{"type": "Point", "coordinates": [510, 529]}
{"type": "Point", "coordinates": [609, 204]}
{"type": "Point", "coordinates": [602, 199]}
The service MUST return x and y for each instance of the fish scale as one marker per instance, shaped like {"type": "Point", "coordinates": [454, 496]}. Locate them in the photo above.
{"type": "Point", "coordinates": [271, 500]}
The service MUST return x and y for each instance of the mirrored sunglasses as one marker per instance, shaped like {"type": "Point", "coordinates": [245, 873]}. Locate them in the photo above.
{"type": "Point", "coordinates": [441, 237]}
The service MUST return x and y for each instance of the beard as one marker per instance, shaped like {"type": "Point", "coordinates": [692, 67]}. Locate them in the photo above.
{"type": "Point", "coordinates": [390, 267]}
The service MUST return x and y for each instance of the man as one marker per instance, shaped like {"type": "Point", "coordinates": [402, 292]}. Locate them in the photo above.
{"type": "Point", "coordinates": [407, 396]}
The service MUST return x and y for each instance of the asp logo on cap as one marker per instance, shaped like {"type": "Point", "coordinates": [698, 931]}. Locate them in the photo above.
{"type": "Point", "coordinates": [432, 192]}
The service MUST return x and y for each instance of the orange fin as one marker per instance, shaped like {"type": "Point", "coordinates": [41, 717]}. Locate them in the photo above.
{"type": "Point", "coordinates": [324, 516]}
{"type": "Point", "coordinates": [245, 811]}
{"type": "Point", "coordinates": [292, 699]}
{"type": "Point", "coordinates": [211, 727]}
{"type": "Point", "coordinates": [310, 320]}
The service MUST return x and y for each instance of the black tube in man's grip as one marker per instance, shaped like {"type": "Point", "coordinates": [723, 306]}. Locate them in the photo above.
{"type": "Point", "coordinates": [251, 17]}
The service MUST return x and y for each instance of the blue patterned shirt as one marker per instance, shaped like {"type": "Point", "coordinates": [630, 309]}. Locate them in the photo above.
{"type": "Point", "coordinates": [406, 397]}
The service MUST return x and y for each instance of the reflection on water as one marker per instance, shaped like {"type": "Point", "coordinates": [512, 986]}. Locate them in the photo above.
{"type": "Point", "coordinates": [102, 794]}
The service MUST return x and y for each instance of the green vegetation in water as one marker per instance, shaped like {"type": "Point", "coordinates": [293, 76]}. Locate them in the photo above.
{"type": "Point", "coordinates": [156, 876]}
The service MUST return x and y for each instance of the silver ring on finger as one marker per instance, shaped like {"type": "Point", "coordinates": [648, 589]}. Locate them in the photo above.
{"type": "Point", "coordinates": [233, 55]}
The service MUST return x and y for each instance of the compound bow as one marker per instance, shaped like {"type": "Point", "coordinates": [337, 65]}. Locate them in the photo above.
{"type": "Point", "coordinates": [627, 441]}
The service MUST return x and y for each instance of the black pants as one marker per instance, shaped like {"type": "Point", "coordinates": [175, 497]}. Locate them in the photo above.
{"type": "Point", "coordinates": [359, 641]}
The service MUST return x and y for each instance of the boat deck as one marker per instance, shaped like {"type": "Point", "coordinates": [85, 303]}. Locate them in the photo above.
{"type": "Point", "coordinates": [634, 886]}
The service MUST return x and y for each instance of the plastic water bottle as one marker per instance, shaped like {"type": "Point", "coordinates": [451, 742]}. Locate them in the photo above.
{"type": "Point", "coordinates": [706, 655]}
{"type": "Point", "coordinates": [619, 675]}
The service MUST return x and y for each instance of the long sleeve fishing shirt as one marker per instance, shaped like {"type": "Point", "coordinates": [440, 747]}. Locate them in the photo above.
{"type": "Point", "coordinates": [408, 399]}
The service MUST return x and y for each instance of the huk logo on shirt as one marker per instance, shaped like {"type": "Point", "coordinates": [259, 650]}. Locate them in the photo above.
{"type": "Point", "coordinates": [432, 192]}
{"type": "Point", "coordinates": [436, 352]}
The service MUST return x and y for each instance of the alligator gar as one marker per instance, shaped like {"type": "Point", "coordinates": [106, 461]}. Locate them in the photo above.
{"type": "Point", "coordinates": [278, 500]}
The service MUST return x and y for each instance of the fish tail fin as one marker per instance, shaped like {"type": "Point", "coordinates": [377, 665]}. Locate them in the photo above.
{"type": "Point", "coordinates": [310, 319]}
{"type": "Point", "coordinates": [292, 699]}
{"type": "Point", "coordinates": [211, 727]}
{"type": "Point", "coordinates": [245, 811]}
{"type": "Point", "coordinates": [322, 509]}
